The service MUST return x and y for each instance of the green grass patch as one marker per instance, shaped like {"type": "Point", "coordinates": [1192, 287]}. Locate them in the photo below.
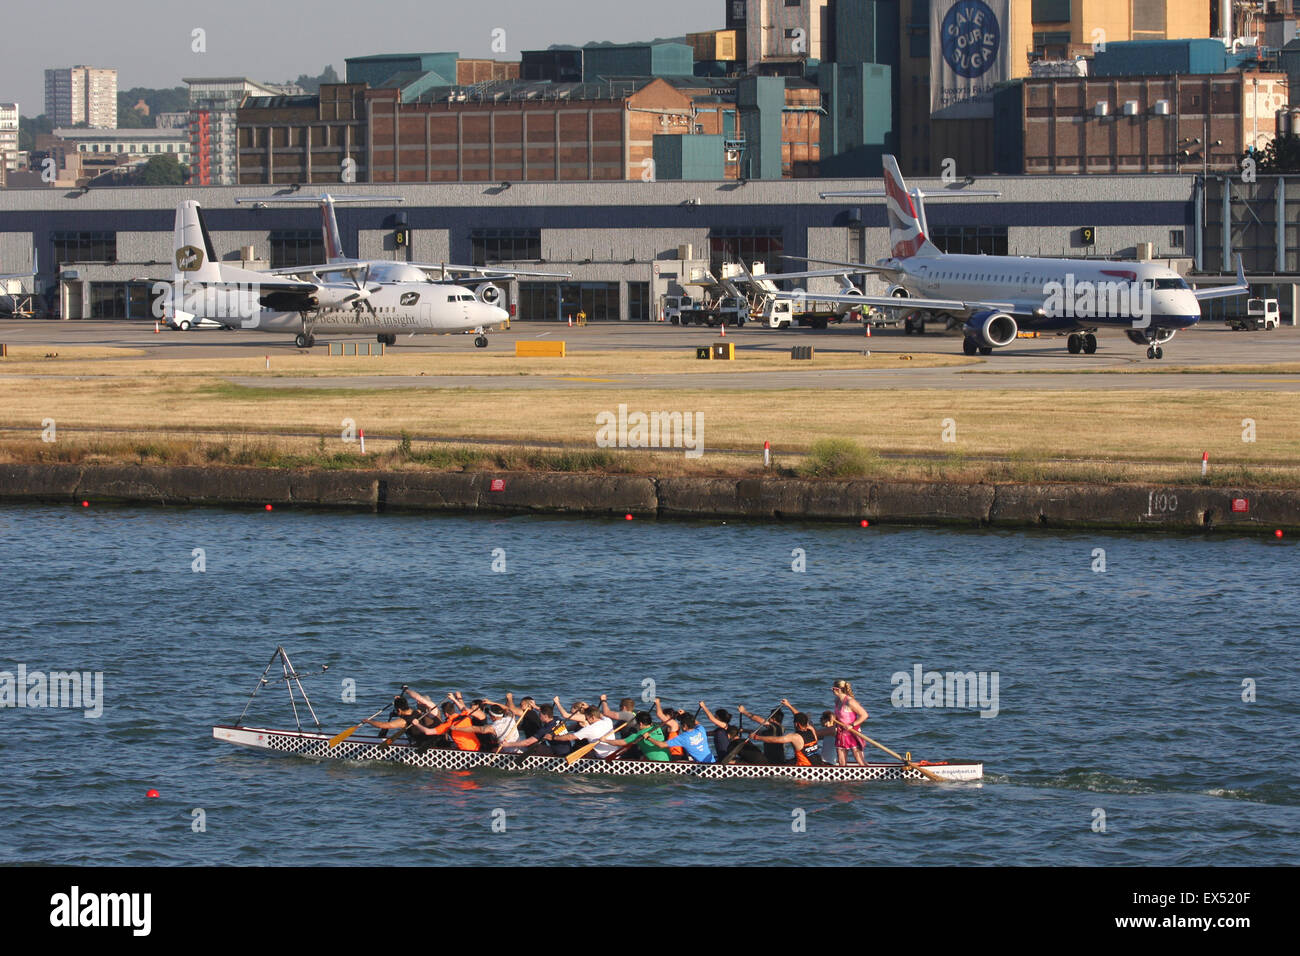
{"type": "Point", "coordinates": [839, 458]}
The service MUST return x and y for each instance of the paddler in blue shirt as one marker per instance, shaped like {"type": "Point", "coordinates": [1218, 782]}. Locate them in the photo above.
{"type": "Point", "coordinates": [692, 739]}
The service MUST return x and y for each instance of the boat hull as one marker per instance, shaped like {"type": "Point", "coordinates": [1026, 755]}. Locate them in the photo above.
{"type": "Point", "coordinates": [360, 749]}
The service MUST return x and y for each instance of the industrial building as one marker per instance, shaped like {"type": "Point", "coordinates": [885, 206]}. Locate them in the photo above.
{"type": "Point", "coordinates": [304, 139]}
{"type": "Point", "coordinates": [622, 241]}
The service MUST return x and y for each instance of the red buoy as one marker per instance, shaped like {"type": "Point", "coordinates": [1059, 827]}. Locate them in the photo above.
{"type": "Point", "coordinates": [1277, 533]}
{"type": "Point", "coordinates": [152, 793]}
{"type": "Point", "coordinates": [627, 517]}
{"type": "Point", "coordinates": [85, 504]}
{"type": "Point", "coordinates": [268, 507]}
{"type": "Point", "coordinates": [866, 523]}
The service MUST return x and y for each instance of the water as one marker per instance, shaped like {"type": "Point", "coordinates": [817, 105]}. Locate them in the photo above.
{"type": "Point", "coordinates": [1120, 693]}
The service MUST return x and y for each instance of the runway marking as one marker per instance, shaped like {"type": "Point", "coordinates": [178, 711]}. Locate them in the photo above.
{"type": "Point", "coordinates": [572, 378]}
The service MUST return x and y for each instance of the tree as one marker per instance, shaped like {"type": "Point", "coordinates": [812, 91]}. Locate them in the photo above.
{"type": "Point", "coordinates": [29, 127]}
{"type": "Point", "coordinates": [312, 83]}
{"type": "Point", "coordinates": [164, 170]}
{"type": "Point", "coordinates": [1282, 155]}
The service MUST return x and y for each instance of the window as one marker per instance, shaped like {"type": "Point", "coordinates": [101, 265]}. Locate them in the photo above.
{"type": "Point", "coordinates": [505, 245]}
{"type": "Point", "coordinates": [971, 240]}
{"type": "Point", "coordinates": [746, 244]}
{"type": "Point", "coordinates": [1176, 238]}
{"type": "Point", "coordinates": [296, 247]}
{"type": "Point", "coordinates": [85, 247]}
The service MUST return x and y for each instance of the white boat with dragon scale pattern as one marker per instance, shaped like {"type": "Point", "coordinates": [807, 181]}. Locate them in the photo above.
{"type": "Point", "coordinates": [356, 749]}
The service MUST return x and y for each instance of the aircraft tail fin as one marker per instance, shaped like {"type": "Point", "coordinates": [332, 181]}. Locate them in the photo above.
{"type": "Point", "coordinates": [907, 236]}
{"type": "Point", "coordinates": [329, 225]}
{"type": "Point", "coordinates": [195, 258]}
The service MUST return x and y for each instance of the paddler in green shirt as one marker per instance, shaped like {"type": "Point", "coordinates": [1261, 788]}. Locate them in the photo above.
{"type": "Point", "coordinates": [646, 729]}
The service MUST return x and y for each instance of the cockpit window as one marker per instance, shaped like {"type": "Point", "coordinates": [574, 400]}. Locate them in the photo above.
{"type": "Point", "coordinates": [1175, 283]}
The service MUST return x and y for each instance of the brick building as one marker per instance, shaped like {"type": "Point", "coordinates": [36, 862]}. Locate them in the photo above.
{"type": "Point", "coordinates": [304, 139]}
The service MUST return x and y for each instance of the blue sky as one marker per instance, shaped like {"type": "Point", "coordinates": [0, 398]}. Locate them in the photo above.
{"type": "Point", "coordinates": [149, 41]}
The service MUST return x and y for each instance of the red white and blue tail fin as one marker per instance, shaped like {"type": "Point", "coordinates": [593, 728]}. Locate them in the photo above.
{"type": "Point", "coordinates": [906, 234]}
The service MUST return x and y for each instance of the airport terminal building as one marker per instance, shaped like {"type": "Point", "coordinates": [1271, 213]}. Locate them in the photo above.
{"type": "Point", "coordinates": [97, 253]}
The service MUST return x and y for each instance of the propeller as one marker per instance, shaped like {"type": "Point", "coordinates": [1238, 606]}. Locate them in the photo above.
{"type": "Point", "coordinates": [364, 289]}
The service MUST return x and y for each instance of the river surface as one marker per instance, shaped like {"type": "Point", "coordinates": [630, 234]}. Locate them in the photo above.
{"type": "Point", "coordinates": [1145, 713]}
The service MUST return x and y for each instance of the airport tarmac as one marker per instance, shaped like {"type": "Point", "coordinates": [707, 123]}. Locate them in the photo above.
{"type": "Point", "coordinates": [1035, 364]}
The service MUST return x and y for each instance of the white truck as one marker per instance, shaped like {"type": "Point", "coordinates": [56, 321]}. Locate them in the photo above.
{"type": "Point", "coordinates": [1260, 314]}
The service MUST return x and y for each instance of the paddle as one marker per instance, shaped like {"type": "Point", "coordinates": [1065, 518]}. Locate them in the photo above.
{"type": "Point", "coordinates": [587, 748]}
{"type": "Point", "coordinates": [735, 750]}
{"type": "Point", "coordinates": [388, 741]}
{"type": "Point", "coordinates": [906, 763]}
{"type": "Point", "coordinates": [339, 738]}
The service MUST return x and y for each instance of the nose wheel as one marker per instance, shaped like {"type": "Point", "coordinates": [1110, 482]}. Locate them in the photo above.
{"type": "Point", "coordinates": [480, 342]}
{"type": "Point", "coordinates": [304, 341]}
{"type": "Point", "coordinates": [1155, 352]}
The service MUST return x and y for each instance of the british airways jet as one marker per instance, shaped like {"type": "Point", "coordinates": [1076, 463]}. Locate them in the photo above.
{"type": "Point", "coordinates": [996, 296]}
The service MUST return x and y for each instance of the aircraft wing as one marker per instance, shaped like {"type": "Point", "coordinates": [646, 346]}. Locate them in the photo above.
{"type": "Point", "coordinates": [1223, 291]}
{"type": "Point", "coordinates": [815, 274]}
{"type": "Point", "coordinates": [846, 266]}
{"type": "Point", "coordinates": [880, 193]}
{"type": "Point", "coordinates": [488, 272]}
{"type": "Point", "coordinates": [296, 288]}
{"type": "Point", "coordinates": [895, 302]}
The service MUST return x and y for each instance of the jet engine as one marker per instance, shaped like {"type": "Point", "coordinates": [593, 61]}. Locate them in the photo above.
{"type": "Point", "coordinates": [991, 329]}
{"type": "Point", "coordinates": [489, 294]}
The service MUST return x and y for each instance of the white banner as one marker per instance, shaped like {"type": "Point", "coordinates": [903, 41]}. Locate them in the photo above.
{"type": "Point", "coordinates": [970, 49]}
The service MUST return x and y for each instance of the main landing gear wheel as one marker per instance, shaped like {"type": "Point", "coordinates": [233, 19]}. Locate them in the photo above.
{"type": "Point", "coordinates": [1155, 352]}
{"type": "Point", "coordinates": [1089, 343]}
{"type": "Point", "coordinates": [969, 346]}
{"type": "Point", "coordinates": [480, 342]}
{"type": "Point", "coordinates": [387, 339]}
{"type": "Point", "coordinates": [1074, 343]}
{"type": "Point", "coordinates": [304, 341]}
{"type": "Point", "coordinates": [986, 350]}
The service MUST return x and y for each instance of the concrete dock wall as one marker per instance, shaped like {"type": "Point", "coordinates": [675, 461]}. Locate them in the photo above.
{"type": "Point", "coordinates": [1153, 507]}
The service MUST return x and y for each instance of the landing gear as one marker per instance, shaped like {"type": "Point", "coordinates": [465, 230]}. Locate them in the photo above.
{"type": "Point", "coordinates": [1151, 339]}
{"type": "Point", "coordinates": [1084, 342]}
{"type": "Point", "coordinates": [389, 338]}
{"type": "Point", "coordinates": [480, 342]}
{"type": "Point", "coordinates": [986, 350]}
{"type": "Point", "coordinates": [970, 346]}
{"type": "Point", "coordinates": [304, 339]}
{"type": "Point", "coordinates": [914, 322]}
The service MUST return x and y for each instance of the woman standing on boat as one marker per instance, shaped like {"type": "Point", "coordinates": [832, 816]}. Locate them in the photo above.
{"type": "Point", "coordinates": [848, 715]}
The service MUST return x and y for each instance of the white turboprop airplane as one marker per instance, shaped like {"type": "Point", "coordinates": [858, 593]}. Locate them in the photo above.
{"type": "Point", "coordinates": [996, 296]}
{"type": "Point", "coordinates": [204, 287]}
{"type": "Point", "coordinates": [384, 271]}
